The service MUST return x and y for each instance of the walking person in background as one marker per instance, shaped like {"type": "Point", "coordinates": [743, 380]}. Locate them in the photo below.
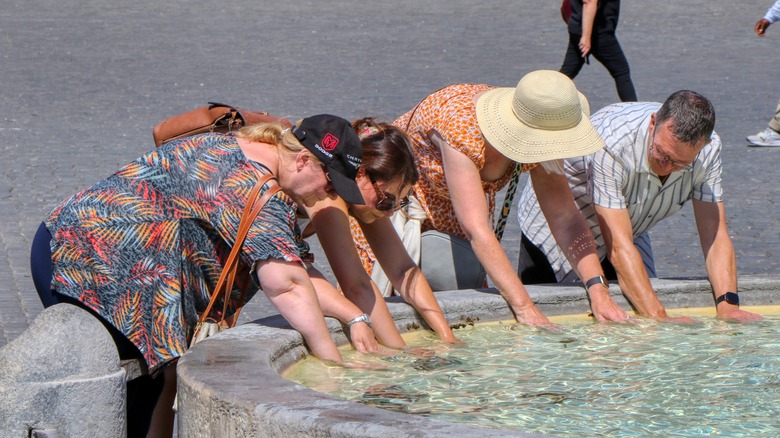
{"type": "Point", "coordinates": [771, 135]}
{"type": "Point", "coordinates": [592, 27]}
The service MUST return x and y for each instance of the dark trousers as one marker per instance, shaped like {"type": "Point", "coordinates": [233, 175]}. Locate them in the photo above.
{"type": "Point", "coordinates": [533, 267]}
{"type": "Point", "coordinates": [142, 392]}
{"type": "Point", "coordinates": [606, 49]}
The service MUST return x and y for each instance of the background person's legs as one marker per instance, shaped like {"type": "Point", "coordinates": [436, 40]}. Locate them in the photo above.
{"type": "Point", "coordinates": [769, 136]}
{"type": "Point", "coordinates": [606, 49]}
{"type": "Point", "coordinates": [775, 122]}
{"type": "Point", "coordinates": [573, 60]}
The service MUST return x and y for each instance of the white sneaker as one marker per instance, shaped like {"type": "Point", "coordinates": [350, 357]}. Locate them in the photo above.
{"type": "Point", "coordinates": [767, 137]}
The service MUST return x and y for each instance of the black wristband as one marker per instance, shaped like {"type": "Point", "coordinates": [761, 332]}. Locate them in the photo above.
{"type": "Point", "coordinates": [729, 297]}
{"type": "Point", "coordinates": [599, 279]}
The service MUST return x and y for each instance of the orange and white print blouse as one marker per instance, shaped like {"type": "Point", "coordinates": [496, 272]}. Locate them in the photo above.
{"type": "Point", "coordinates": [451, 111]}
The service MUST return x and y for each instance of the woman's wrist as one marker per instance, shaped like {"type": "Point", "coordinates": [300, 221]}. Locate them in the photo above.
{"type": "Point", "coordinates": [363, 317]}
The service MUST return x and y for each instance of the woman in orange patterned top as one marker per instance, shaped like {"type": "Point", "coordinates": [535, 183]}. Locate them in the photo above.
{"type": "Point", "coordinates": [385, 179]}
{"type": "Point", "coordinates": [468, 141]}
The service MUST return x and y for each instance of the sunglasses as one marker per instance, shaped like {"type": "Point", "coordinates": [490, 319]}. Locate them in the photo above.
{"type": "Point", "coordinates": [387, 201]}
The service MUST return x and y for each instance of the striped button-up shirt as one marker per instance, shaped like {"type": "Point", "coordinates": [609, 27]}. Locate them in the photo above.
{"type": "Point", "coordinates": [619, 177]}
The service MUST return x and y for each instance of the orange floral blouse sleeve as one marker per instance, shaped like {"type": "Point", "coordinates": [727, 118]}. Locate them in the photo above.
{"type": "Point", "coordinates": [451, 111]}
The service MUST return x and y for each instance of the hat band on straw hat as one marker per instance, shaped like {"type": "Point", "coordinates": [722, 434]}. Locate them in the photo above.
{"type": "Point", "coordinates": [543, 118]}
{"type": "Point", "coordinates": [571, 118]}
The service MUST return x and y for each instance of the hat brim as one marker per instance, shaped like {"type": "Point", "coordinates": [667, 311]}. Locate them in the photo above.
{"type": "Point", "coordinates": [527, 144]}
{"type": "Point", "coordinates": [347, 188]}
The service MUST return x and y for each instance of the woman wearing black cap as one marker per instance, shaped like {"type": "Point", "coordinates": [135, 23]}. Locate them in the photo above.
{"type": "Point", "coordinates": [142, 249]}
{"type": "Point", "coordinates": [385, 178]}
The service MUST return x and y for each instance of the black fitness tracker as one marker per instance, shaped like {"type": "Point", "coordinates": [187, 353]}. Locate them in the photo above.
{"type": "Point", "coordinates": [729, 297]}
{"type": "Point", "coordinates": [596, 280]}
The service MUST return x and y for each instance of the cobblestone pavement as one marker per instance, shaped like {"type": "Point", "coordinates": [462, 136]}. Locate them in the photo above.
{"type": "Point", "coordinates": [83, 82]}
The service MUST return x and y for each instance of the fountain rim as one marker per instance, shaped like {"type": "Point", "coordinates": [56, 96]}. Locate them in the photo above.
{"type": "Point", "coordinates": [230, 384]}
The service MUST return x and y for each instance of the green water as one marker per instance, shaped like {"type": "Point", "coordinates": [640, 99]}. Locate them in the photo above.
{"type": "Point", "coordinates": [710, 378]}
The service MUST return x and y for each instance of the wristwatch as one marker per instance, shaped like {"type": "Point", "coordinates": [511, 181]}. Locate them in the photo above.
{"type": "Point", "coordinates": [599, 279]}
{"type": "Point", "coordinates": [357, 319]}
{"type": "Point", "coordinates": [729, 297]}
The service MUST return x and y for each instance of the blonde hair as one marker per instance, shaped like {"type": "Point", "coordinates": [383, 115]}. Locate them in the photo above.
{"type": "Point", "coordinates": [276, 134]}
{"type": "Point", "coordinates": [553, 166]}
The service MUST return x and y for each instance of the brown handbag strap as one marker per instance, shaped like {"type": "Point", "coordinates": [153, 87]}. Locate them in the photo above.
{"type": "Point", "coordinates": [243, 228]}
{"type": "Point", "coordinates": [227, 277]}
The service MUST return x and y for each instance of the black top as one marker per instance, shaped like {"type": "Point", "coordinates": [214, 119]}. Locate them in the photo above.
{"type": "Point", "coordinates": [606, 17]}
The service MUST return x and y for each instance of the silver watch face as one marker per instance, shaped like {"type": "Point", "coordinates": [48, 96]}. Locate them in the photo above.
{"type": "Point", "coordinates": [361, 318]}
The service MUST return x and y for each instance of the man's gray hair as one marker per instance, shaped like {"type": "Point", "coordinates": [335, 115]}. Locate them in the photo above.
{"type": "Point", "coordinates": [690, 115]}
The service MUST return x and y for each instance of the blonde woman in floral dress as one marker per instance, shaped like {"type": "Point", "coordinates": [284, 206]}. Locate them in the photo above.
{"type": "Point", "coordinates": [142, 249]}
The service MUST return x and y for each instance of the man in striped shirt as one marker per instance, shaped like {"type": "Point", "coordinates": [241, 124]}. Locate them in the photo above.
{"type": "Point", "coordinates": [656, 158]}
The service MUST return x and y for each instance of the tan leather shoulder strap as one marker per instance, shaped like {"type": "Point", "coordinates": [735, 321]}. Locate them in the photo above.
{"type": "Point", "coordinates": [251, 210]}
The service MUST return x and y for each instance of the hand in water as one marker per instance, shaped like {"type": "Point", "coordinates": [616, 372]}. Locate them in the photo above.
{"type": "Point", "coordinates": [414, 351]}
{"type": "Point", "coordinates": [420, 352]}
{"type": "Point", "coordinates": [533, 317]}
{"type": "Point", "coordinates": [738, 315]}
{"type": "Point", "coordinates": [455, 342]}
{"type": "Point", "coordinates": [605, 309]}
{"type": "Point", "coordinates": [363, 339]}
{"type": "Point", "coordinates": [364, 365]}
{"type": "Point", "coordinates": [678, 319]}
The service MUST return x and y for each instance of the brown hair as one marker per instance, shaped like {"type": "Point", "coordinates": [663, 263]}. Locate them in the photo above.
{"type": "Point", "coordinates": [387, 151]}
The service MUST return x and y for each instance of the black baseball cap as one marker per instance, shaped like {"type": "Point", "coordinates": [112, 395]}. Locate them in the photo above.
{"type": "Point", "coordinates": [333, 141]}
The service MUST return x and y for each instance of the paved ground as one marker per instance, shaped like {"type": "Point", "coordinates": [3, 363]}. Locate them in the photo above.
{"type": "Point", "coordinates": [83, 82]}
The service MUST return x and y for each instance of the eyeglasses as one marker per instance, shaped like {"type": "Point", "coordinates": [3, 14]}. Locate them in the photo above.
{"type": "Point", "coordinates": [664, 158]}
{"type": "Point", "coordinates": [387, 201]}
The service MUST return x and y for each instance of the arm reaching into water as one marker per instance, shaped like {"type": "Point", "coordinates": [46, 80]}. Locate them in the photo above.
{"type": "Point", "coordinates": [406, 276]}
{"type": "Point", "coordinates": [719, 257]}
{"type": "Point", "coordinates": [330, 220]}
{"type": "Point", "coordinates": [288, 287]}
{"type": "Point", "coordinates": [572, 233]}
{"type": "Point", "coordinates": [471, 209]}
{"type": "Point", "coordinates": [616, 229]}
{"type": "Point", "coordinates": [335, 305]}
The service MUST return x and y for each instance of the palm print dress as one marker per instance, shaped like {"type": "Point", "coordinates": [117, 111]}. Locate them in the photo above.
{"type": "Point", "coordinates": [144, 247]}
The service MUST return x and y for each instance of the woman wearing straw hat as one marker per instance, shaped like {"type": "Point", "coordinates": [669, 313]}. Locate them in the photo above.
{"type": "Point", "coordinates": [469, 140]}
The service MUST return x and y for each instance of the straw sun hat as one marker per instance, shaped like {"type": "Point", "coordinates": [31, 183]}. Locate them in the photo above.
{"type": "Point", "coordinates": [543, 118]}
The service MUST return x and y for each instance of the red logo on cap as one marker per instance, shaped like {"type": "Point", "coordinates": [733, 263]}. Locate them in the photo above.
{"type": "Point", "coordinates": [329, 142]}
